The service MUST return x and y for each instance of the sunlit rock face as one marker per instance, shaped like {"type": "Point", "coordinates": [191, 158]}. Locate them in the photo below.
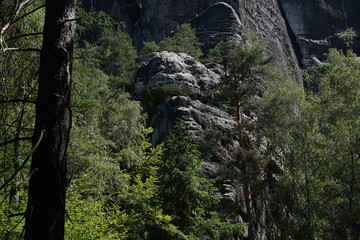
{"type": "Point", "coordinates": [167, 74]}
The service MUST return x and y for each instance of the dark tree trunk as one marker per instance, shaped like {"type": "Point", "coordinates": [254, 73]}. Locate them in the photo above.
{"type": "Point", "coordinates": [46, 203]}
{"type": "Point", "coordinates": [243, 159]}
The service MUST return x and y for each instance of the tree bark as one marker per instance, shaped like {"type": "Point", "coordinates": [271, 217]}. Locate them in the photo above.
{"type": "Point", "coordinates": [45, 212]}
{"type": "Point", "coordinates": [243, 166]}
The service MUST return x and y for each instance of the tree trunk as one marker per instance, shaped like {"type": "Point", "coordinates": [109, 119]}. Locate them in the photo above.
{"type": "Point", "coordinates": [46, 202]}
{"type": "Point", "coordinates": [243, 165]}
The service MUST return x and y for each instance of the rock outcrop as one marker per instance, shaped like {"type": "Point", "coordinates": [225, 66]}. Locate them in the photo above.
{"type": "Point", "coordinates": [218, 23]}
{"type": "Point", "coordinates": [170, 74]}
{"type": "Point", "coordinates": [176, 86]}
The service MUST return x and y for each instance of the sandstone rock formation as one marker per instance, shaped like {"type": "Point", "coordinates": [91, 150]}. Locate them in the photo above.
{"type": "Point", "coordinates": [218, 23]}
{"type": "Point", "coordinates": [153, 20]}
{"type": "Point", "coordinates": [295, 29]}
{"type": "Point", "coordinates": [170, 74]}
{"type": "Point", "coordinates": [176, 86]}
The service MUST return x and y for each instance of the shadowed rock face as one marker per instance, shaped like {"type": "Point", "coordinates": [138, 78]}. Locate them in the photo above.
{"type": "Point", "coordinates": [218, 23]}
{"type": "Point", "coordinates": [315, 23]}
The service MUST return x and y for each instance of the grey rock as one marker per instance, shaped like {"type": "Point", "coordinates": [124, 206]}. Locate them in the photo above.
{"type": "Point", "coordinates": [311, 61]}
{"type": "Point", "coordinates": [153, 20]}
{"type": "Point", "coordinates": [198, 117]}
{"type": "Point", "coordinates": [187, 98]}
{"type": "Point", "coordinates": [316, 23]}
{"type": "Point", "coordinates": [218, 23]}
{"type": "Point", "coordinates": [167, 74]}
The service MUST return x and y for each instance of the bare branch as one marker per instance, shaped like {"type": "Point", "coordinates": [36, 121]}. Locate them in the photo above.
{"type": "Point", "coordinates": [26, 14]}
{"type": "Point", "coordinates": [16, 214]}
{"type": "Point", "coordinates": [7, 25]}
{"type": "Point", "coordinates": [24, 35]}
{"type": "Point", "coordinates": [21, 50]}
{"type": "Point", "coordinates": [13, 20]}
{"type": "Point", "coordinates": [18, 101]}
{"type": "Point", "coordinates": [24, 163]}
{"type": "Point", "coordinates": [15, 140]}
{"type": "Point", "coordinates": [71, 20]}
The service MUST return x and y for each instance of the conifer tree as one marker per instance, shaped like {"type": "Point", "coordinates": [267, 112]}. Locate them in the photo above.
{"type": "Point", "coordinates": [184, 40]}
{"type": "Point", "coordinates": [246, 64]}
{"type": "Point", "coordinates": [187, 197]}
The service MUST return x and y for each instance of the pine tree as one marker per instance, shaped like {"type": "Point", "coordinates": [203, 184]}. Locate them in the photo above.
{"type": "Point", "coordinates": [187, 197]}
{"type": "Point", "coordinates": [246, 64]}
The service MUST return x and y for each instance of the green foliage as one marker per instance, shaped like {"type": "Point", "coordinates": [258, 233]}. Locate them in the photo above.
{"type": "Point", "coordinates": [279, 108]}
{"type": "Point", "coordinates": [111, 48]}
{"type": "Point", "coordinates": [184, 193]}
{"type": "Point", "coordinates": [149, 48]}
{"type": "Point", "coordinates": [93, 24]}
{"type": "Point", "coordinates": [18, 74]}
{"type": "Point", "coordinates": [117, 58]}
{"type": "Point", "coordinates": [11, 219]}
{"type": "Point", "coordinates": [209, 143]}
{"type": "Point", "coordinates": [89, 219]}
{"type": "Point", "coordinates": [112, 167]}
{"type": "Point", "coordinates": [184, 40]}
{"type": "Point", "coordinates": [348, 36]}
{"type": "Point", "coordinates": [247, 68]}
{"type": "Point", "coordinates": [339, 96]}
{"type": "Point", "coordinates": [186, 196]}
{"type": "Point", "coordinates": [245, 63]}
{"type": "Point", "coordinates": [317, 138]}
{"type": "Point", "coordinates": [212, 227]}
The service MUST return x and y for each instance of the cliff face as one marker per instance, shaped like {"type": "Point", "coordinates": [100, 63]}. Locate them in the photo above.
{"type": "Point", "coordinates": [316, 23]}
{"type": "Point", "coordinates": [296, 30]}
{"type": "Point", "coordinates": [152, 20]}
